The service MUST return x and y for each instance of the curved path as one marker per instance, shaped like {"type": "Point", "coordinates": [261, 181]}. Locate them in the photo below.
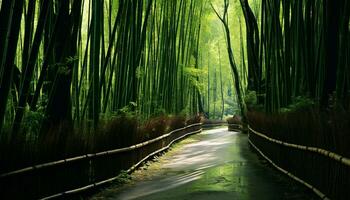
{"type": "Point", "coordinates": [215, 164]}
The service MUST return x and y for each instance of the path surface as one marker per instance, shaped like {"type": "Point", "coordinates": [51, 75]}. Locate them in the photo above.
{"type": "Point", "coordinates": [215, 164]}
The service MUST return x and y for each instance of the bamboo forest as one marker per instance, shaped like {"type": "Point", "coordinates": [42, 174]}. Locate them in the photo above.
{"type": "Point", "coordinates": [175, 99]}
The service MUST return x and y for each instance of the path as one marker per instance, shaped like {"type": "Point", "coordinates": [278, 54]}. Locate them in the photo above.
{"type": "Point", "coordinates": [215, 164]}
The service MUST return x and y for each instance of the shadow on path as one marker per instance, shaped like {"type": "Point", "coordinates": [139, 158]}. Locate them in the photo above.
{"type": "Point", "coordinates": [217, 165]}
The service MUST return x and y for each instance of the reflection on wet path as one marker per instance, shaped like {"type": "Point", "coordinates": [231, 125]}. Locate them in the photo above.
{"type": "Point", "coordinates": [218, 165]}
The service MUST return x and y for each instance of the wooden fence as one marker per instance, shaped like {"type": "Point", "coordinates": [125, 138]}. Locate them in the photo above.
{"type": "Point", "coordinates": [325, 173]}
{"type": "Point", "coordinates": [234, 127]}
{"type": "Point", "coordinates": [213, 125]}
{"type": "Point", "coordinates": [72, 175]}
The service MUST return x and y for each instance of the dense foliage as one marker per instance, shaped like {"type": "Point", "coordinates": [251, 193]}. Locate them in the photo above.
{"type": "Point", "coordinates": [78, 61]}
{"type": "Point", "coordinates": [299, 48]}
{"type": "Point", "coordinates": [96, 66]}
{"type": "Point", "coordinates": [298, 71]}
{"type": "Point", "coordinates": [82, 76]}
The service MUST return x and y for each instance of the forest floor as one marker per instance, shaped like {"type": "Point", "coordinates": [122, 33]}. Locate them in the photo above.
{"type": "Point", "coordinates": [215, 164]}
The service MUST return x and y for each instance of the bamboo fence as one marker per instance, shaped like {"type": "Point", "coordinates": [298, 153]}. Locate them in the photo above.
{"type": "Point", "coordinates": [234, 127]}
{"type": "Point", "coordinates": [211, 125]}
{"type": "Point", "coordinates": [72, 175]}
{"type": "Point", "coordinates": [327, 173]}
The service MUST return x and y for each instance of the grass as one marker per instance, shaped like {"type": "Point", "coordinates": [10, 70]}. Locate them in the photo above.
{"type": "Point", "coordinates": [150, 169]}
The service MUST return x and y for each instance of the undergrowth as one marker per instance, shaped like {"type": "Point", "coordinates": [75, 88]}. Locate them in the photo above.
{"type": "Point", "coordinates": [63, 141]}
{"type": "Point", "coordinates": [310, 127]}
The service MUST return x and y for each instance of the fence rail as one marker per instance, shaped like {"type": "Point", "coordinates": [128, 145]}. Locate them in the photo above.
{"type": "Point", "coordinates": [212, 125]}
{"type": "Point", "coordinates": [234, 127]}
{"type": "Point", "coordinates": [332, 155]}
{"type": "Point", "coordinates": [326, 172]}
{"type": "Point", "coordinates": [89, 170]}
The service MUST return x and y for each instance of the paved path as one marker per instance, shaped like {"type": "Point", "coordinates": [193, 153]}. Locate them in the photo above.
{"type": "Point", "coordinates": [215, 164]}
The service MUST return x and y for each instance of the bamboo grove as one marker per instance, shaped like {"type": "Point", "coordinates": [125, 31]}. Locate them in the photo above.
{"type": "Point", "coordinates": [298, 49]}
{"type": "Point", "coordinates": [78, 61]}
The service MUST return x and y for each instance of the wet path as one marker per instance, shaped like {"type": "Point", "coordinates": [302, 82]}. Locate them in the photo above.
{"type": "Point", "coordinates": [215, 164]}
